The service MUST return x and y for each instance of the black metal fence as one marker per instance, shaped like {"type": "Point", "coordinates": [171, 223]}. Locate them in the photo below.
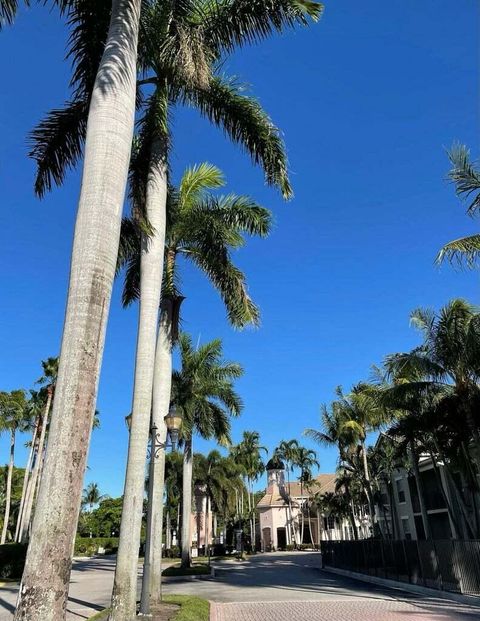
{"type": "Point", "coordinates": [447, 565]}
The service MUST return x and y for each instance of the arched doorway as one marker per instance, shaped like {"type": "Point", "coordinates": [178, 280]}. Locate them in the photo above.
{"type": "Point", "coordinates": [281, 538]}
{"type": "Point", "coordinates": [266, 539]}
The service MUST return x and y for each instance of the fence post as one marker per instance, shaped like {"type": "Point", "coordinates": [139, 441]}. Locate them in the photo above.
{"type": "Point", "coordinates": [438, 572]}
{"type": "Point", "coordinates": [407, 564]}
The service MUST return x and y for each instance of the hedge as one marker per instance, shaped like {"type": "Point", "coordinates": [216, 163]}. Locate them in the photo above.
{"type": "Point", "coordinates": [88, 546]}
{"type": "Point", "coordinates": [12, 560]}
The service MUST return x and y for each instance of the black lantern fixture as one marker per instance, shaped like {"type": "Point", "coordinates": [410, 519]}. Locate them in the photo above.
{"type": "Point", "coordinates": [173, 421]}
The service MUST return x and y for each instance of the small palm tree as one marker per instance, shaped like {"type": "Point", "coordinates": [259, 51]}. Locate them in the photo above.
{"type": "Point", "coordinates": [465, 175]}
{"type": "Point", "coordinates": [92, 496]}
{"type": "Point", "coordinates": [353, 416]}
{"type": "Point", "coordinates": [203, 391]}
{"type": "Point", "coordinates": [305, 460]}
{"type": "Point", "coordinates": [446, 366]}
{"type": "Point", "coordinates": [248, 455]}
{"type": "Point", "coordinates": [287, 451]}
{"type": "Point", "coordinates": [44, 401]}
{"type": "Point", "coordinates": [13, 418]}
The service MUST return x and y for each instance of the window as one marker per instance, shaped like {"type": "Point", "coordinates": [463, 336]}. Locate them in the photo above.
{"type": "Point", "coordinates": [400, 491]}
{"type": "Point", "coordinates": [406, 528]}
{"type": "Point", "coordinates": [329, 522]}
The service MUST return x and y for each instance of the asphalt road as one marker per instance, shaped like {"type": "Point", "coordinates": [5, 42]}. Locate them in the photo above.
{"type": "Point", "coordinates": [271, 587]}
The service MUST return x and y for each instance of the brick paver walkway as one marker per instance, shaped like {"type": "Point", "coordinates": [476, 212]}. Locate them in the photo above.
{"type": "Point", "coordinates": [341, 610]}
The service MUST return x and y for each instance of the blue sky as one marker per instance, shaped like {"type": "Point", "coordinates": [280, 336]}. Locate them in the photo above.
{"type": "Point", "coordinates": [368, 100]}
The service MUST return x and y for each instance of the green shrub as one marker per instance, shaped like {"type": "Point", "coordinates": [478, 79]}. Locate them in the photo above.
{"type": "Point", "coordinates": [173, 552]}
{"type": "Point", "coordinates": [12, 560]}
{"type": "Point", "coordinates": [86, 546]}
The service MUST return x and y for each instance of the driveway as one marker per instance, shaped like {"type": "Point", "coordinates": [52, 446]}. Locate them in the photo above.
{"type": "Point", "coordinates": [269, 587]}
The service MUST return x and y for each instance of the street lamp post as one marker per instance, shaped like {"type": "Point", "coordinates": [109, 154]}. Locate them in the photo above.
{"type": "Point", "coordinates": [173, 422]}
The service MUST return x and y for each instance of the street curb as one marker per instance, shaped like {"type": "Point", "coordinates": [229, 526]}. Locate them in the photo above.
{"type": "Point", "coordinates": [213, 611]}
{"type": "Point", "coordinates": [470, 600]}
{"type": "Point", "coordinates": [6, 583]}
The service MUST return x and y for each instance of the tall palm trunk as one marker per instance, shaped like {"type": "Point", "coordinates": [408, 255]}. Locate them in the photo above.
{"type": "Point", "coordinates": [369, 493]}
{"type": "Point", "coordinates": [254, 522]}
{"type": "Point", "coordinates": [207, 528]}
{"type": "Point", "coordinates": [151, 270]}
{"type": "Point", "coordinates": [168, 531]}
{"type": "Point", "coordinates": [26, 477]}
{"type": "Point", "coordinates": [446, 498]}
{"type": "Point", "coordinates": [37, 467]}
{"type": "Point", "coordinates": [353, 522]}
{"type": "Point", "coordinates": [43, 592]}
{"type": "Point", "coordinates": [302, 517]}
{"type": "Point", "coordinates": [421, 493]}
{"type": "Point", "coordinates": [8, 496]}
{"type": "Point", "coordinates": [393, 511]}
{"type": "Point", "coordinates": [187, 503]}
{"type": "Point", "coordinates": [249, 500]}
{"type": "Point", "coordinates": [309, 517]}
{"type": "Point", "coordinates": [318, 528]}
{"type": "Point", "coordinates": [291, 526]}
{"type": "Point", "coordinates": [162, 380]}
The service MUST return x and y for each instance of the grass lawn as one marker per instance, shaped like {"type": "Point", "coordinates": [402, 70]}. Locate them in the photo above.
{"type": "Point", "coordinates": [198, 569]}
{"type": "Point", "coordinates": [191, 609]}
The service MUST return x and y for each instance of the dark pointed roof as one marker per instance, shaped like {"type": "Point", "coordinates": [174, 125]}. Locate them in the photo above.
{"type": "Point", "coordinates": [275, 464]}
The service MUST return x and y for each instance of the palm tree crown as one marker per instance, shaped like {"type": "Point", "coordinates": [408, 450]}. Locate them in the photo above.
{"type": "Point", "coordinates": [203, 390]}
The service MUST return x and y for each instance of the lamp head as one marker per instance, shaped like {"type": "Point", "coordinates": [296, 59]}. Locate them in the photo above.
{"type": "Point", "coordinates": [173, 421]}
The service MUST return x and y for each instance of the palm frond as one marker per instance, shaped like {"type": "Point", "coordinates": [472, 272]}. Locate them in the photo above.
{"type": "Point", "coordinates": [56, 144]}
{"type": "Point", "coordinates": [465, 175]}
{"type": "Point", "coordinates": [463, 251]}
{"type": "Point", "coordinates": [423, 319]}
{"type": "Point", "coordinates": [229, 282]}
{"type": "Point", "coordinates": [246, 123]}
{"type": "Point", "coordinates": [228, 24]}
{"type": "Point", "coordinates": [240, 213]}
{"type": "Point", "coordinates": [89, 22]}
{"type": "Point", "coordinates": [196, 179]}
{"type": "Point", "coordinates": [8, 12]}
{"type": "Point", "coordinates": [318, 436]}
{"type": "Point", "coordinates": [413, 364]}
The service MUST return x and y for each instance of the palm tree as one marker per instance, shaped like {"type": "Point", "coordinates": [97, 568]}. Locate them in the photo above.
{"type": "Point", "coordinates": [353, 416]}
{"type": "Point", "coordinates": [287, 451]}
{"type": "Point", "coordinates": [203, 391]}
{"type": "Point", "coordinates": [446, 365]}
{"type": "Point", "coordinates": [109, 130]}
{"type": "Point", "coordinates": [248, 455]}
{"type": "Point", "coordinates": [465, 174]}
{"type": "Point", "coordinates": [92, 496]}
{"type": "Point", "coordinates": [181, 44]}
{"type": "Point", "coordinates": [349, 485]}
{"type": "Point", "coordinates": [204, 229]}
{"type": "Point", "coordinates": [211, 475]}
{"type": "Point", "coordinates": [305, 460]}
{"type": "Point", "coordinates": [46, 394]}
{"type": "Point", "coordinates": [13, 418]}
